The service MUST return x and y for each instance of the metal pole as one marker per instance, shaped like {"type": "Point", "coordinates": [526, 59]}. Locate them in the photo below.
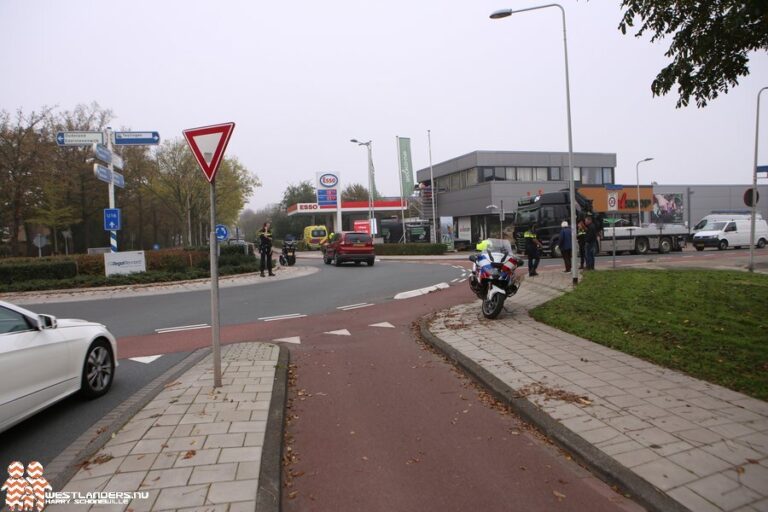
{"type": "Point", "coordinates": [369, 145]}
{"type": "Point", "coordinates": [751, 266]}
{"type": "Point", "coordinates": [432, 184]}
{"type": "Point", "coordinates": [637, 175]}
{"type": "Point", "coordinates": [215, 291]}
{"type": "Point", "coordinates": [501, 221]}
{"type": "Point", "coordinates": [112, 233]}
{"type": "Point", "coordinates": [400, 180]}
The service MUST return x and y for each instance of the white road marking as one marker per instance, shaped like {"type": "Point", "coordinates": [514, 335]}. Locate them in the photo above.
{"type": "Point", "coordinates": [454, 280]}
{"type": "Point", "coordinates": [421, 291]}
{"type": "Point", "coordinates": [340, 332]}
{"type": "Point", "coordinates": [182, 328]}
{"type": "Point", "coordinates": [145, 359]}
{"type": "Point", "coordinates": [292, 339]}
{"type": "Point", "coordinates": [281, 317]}
{"type": "Point", "coordinates": [458, 267]}
{"type": "Point", "coordinates": [354, 306]}
{"type": "Point", "coordinates": [383, 324]}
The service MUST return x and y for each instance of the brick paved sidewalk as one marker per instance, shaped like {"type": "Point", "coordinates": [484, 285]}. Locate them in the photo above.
{"type": "Point", "coordinates": [191, 447]}
{"type": "Point", "coordinates": [703, 445]}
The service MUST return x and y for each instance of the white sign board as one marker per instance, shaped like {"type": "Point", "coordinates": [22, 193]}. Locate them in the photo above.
{"type": "Point", "coordinates": [613, 201]}
{"type": "Point", "coordinates": [129, 262]}
{"type": "Point", "coordinates": [465, 228]}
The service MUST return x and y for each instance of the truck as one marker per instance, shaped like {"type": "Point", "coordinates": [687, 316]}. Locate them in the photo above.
{"type": "Point", "coordinates": [548, 211]}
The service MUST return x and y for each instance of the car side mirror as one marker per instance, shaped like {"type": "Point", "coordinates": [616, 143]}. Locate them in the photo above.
{"type": "Point", "coordinates": [46, 322]}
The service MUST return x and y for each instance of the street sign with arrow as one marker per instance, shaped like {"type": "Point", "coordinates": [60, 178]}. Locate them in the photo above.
{"type": "Point", "coordinates": [112, 219]}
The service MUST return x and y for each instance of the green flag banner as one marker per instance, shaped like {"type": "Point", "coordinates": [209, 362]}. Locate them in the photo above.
{"type": "Point", "coordinates": [406, 166]}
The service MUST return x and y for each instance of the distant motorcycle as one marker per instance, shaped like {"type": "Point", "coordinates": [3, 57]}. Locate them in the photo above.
{"type": "Point", "coordinates": [493, 276]}
{"type": "Point", "coordinates": [288, 254]}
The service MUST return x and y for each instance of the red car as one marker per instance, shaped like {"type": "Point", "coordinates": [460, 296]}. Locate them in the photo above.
{"type": "Point", "coordinates": [349, 246]}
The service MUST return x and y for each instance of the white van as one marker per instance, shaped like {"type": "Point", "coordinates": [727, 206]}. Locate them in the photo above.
{"type": "Point", "coordinates": [705, 224]}
{"type": "Point", "coordinates": [731, 233]}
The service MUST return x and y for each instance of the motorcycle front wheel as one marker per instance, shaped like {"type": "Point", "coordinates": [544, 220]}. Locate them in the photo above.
{"type": "Point", "coordinates": [291, 260]}
{"type": "Point", "coordinates": [282, 260]}
{"type": "Point", "coordinates": [492, 307]}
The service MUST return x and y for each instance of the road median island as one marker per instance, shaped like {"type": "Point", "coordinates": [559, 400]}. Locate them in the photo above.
{"type": "Point", "coordinates": [658, 434]}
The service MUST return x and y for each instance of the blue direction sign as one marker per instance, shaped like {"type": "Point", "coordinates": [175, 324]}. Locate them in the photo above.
{"type": "Point", "coordinates": [222, 232]}
{"type": "Point", "coordinates": [79, 138]}
{"type": "Point", "coordinates": [136, 138]}
{"type": "Point", "coordinates": [112, 219]}
{"type": "Point", "coordinates": [762, 168]}
{"type": "Point", "coordinates": [118, 180]}
{"type": "Point", "coordinates": [103, 173]}
{"type": "Point", "coordinates": [101, 152]}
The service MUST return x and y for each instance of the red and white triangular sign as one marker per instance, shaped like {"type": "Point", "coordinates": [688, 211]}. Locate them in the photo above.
{"type": "Point", "coordinates": [208, 144]}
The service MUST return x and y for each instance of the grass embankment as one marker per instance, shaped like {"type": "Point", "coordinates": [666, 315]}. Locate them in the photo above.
{"type": "Point", "coordinates": [710, 324]}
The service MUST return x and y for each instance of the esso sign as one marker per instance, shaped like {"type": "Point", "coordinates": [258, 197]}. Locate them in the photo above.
{"type": "Point", "coordinates": [328, 180]}
{"type": "Point", "coordinates": [303, 207]}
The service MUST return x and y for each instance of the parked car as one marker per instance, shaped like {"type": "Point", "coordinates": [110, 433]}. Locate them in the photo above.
{"type": "Point", "coordinates": [735, 233]}
{"type": "Point", "coordinates": [44, 359]}
{"type": "Point", "coordinates": [349, 246]}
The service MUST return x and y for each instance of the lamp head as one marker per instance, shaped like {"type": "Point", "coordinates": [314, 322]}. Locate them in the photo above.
{"type": "Point", "coordinates": [648, 159]}
{"type": "Point", "coordinates": [354, 140]}
{"type": "Point", "coordinates": [501, 13]}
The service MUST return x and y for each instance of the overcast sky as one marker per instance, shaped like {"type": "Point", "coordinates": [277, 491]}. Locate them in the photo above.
{"type": "Point", "coordinates": [301, 78]}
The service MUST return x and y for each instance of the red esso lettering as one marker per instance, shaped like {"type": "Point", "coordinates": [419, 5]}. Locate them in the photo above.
{"type": "Point", "coordinates": [307, 207]}
{"type": "Point", "coordinates": [328, 180]}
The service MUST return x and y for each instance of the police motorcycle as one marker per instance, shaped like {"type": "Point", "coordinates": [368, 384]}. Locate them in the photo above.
{"type": "Point", "coordinates": [493, 276]}
{"type": "Point", "coordinates": [288, 254]}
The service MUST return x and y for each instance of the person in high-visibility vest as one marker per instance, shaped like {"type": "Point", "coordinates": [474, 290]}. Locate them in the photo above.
{"type": "Point", "coordinates": [532, 250]}
{"type": "Point", "coordinates": [265, 248]}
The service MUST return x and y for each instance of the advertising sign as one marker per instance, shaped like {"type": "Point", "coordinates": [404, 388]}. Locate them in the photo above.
{"type": "Point", "coordinates": [465, 228]}
{"type": "Point", "coordinates": [307, 207]}
{"type": "Point", "coordinates": [446, 232]}
{"type": "Point", "coordinates": [406, 165]}
{"type": "Point", "coordinates": [613, 201]}
{"type": "Point", "coordinates": [327, 187]}
{"type": "Point", "coordinates": [667, 209]}
{"type": "Point", "coordinates": [362, 226]}
{"type": "Point", "coordinates": [128, 262]}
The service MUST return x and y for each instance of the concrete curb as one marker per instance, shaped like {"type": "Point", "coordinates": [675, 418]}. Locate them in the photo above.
{"type": "Point", "coordinates": [600, 464]}
{"type": "Point", "coordinates": [67, 463]}
{"type": "Point", "coordinates": [269, 494]}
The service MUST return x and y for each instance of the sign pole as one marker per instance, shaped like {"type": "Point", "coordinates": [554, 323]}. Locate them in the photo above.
{"type": "Point", "coordinates": [214, 243]}
{"type": "Point", "coordinates": [112, 233]}
{"type": "Point", "coordinates": [751, 266]}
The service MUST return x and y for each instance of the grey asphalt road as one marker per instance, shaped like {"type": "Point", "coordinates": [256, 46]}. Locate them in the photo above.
{"type": "Point", "coordinates": [320, 292]}
{"type": "Point", "coordinates": [43, 436]}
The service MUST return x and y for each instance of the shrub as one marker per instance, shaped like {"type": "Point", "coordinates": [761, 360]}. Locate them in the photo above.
{"type": "Point", "coordinates": [48, 269]}
{"type": "Point", "coordinates": [90, 264]}
{"type": "Point", "coordinates": [408, 249]}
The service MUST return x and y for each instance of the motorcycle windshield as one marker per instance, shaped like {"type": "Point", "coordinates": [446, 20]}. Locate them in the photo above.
{"type": "Point", "coordinates": [499, 245]}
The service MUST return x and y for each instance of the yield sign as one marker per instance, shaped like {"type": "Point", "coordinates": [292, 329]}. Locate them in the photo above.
{"type": "Point", "coordinates": [208, 144]}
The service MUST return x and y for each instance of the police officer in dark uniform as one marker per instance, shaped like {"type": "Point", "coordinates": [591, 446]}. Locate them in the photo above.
{"type": "Point", "coordinates": [533, 250]}
{"type": "Point", "coordinates": [265, 248]}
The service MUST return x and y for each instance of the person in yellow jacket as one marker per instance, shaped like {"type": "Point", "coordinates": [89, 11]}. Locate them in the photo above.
{"type": "Point", "coordinates": [532, 250]}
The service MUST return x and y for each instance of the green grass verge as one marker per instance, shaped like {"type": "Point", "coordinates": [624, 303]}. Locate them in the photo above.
{"type": "Point", "coordinates": [710, 324]}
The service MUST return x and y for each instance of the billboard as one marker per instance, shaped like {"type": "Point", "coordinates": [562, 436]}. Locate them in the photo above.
{"type": "Point", "coordinates": [667, 209]}
{"type": "Point", "coordinates": [406, 165]}
{"type": "Point", "coordinates": [327, 187]}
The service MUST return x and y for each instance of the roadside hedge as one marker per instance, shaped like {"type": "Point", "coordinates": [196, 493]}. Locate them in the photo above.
{"type": "Point", "coordinates": [44, 269]}
{"type": "Point", "coordinates": [408, 249]}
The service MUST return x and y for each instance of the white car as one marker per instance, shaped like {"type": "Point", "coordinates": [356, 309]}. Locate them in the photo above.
{"type": "Point", "coordinates": [43, 360]}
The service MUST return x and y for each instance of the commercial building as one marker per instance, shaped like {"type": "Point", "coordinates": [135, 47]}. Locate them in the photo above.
{"type": "Point", "coordinates": [477, 188]}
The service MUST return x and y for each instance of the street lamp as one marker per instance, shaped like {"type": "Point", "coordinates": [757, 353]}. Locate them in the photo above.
{"type": "Point", "coordinates": [751, 266]}
{"type": "Point", "coordinates": [503, 13]}
{"type": "Point", "coordinates": [637, 175]}
{"type": "Point", "coordinates": [369, 147]}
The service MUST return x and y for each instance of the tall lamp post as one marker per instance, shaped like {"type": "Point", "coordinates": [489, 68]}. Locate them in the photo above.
{"type": "Point", "coordinates": [754, 188]}
{"type": "Point", "coordinates": [637, 175]}
{"type": "Point", "coordinates": [503, 13]}
{"type": "Point", "coordinates": [369, 147]}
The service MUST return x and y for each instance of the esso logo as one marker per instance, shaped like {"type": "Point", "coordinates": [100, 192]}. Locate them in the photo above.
{"type": "Point", "coordinates": [329, 180]}
{"type": "Point", "coordinates": [308, 206]}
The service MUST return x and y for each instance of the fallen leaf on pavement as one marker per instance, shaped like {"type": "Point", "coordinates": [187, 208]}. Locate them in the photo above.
{"type": "Point", "coordinates": [560, 496]}
{"type": "Point", "coordinates": [189, 454]}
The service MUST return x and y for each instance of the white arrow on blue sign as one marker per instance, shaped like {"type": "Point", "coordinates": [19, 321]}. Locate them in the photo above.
{"type": "Point", "coordinates": [136, 138]}
{"type": "Point", "coordinates": [112, 219]}
{"type": "Point", "coordinates": [222, 232]}
{"type": "Point", "coordinates": [103, 173]}
{"type": "Point", "coordinates": [79, 138]}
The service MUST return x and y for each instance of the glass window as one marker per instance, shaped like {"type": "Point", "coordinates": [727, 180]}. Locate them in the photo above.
{"type": "Point", "coordinates": [592, 175]}
{"type": "Point", "coordinates": [524, 174]}
{"type": "Point", "coordinates": [511, 173]}
{"type": "Point", "coordinates": [554, 174]}
{"type": "Point", "coordinates": [607, 175]}
{"type": "Point", "coordinates": [440, 184]}
{"type": "Point", "coordinates": [540, 174]}
{"type": "Point", "coordinates": [472, 178]}
{"type": "Point", "coordinates": [500, 174]}
{"type": "Point", "coordinates": [357, 238]}
{"type": "Point", "coordinates": [11, 321]}
{"type": "Point", "coordinates": [455, 181]}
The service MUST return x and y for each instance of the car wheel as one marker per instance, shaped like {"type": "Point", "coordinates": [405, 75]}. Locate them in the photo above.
{"type": "Point", "coordinates": [98, 370]}
{"type": "Point", "coordinates": [665, 245]}
{"type": "Point", "coordinates": [699, 248]}
{"type": "Point", "coordinates": [336, 260]}
{"type": "Point", "coordinates": [723, 245]}
{"type": "Point", "coordinates": [370, 262]}
{"type": "Point", "coordinates": [761, 243]}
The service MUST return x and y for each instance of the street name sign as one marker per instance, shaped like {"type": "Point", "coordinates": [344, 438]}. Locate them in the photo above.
{"type": "Point", "coordinates": [103, 173]}
{"type": "Point", "coordinates": [118, 180]}
{"type": "Point", "coordinates": [79, 138]}
{"type": "Point", "coordinates": [222, 232]}
{"type": "Point", "coordinates": [208, 144]}
{"type": "Point", "coordinates": [103, 153]}
{"type": "Point", "coordinates": [112, 219]}
{"type": "Point", "coordinates": [117, 161]}
{"type": "Point", "coordinates": [136, 138]}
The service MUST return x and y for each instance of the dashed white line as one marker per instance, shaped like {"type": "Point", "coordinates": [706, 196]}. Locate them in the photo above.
{"type": "Point", "coordinates": [354, 306]}
{"type": "Point", "coordinates": [454, 280]}
{"type": "Point", "coordinates": [145, 359]}
{"type": "Point", "coordinates": [281, 317]}
{"type": "Point", "coordinates": [182, 328]}
{"type": "Point", "coordinates": [292, 339]}
{"type": "Point", "coordinates": [421, 291]}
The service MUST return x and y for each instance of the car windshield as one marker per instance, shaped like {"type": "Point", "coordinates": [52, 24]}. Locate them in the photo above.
{"type": "Point", "coordinates": [318, 232]}
{"type": "Point", "coordinates": [356, 238]}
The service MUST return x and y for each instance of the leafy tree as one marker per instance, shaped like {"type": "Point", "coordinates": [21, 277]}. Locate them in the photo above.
{"type": "Point", "coordinates": [710, 42]}
{"type": "Point", "coordinates": [354, 192]}
{"type": "Point", "coordinates": [303, 192]}
{"type": "Point", "coordinates": [54, 212]}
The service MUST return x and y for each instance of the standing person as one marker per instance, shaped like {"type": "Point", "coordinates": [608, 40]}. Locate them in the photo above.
{"type": "Point", "coordinates": [533, 250]}
{"type": "Point", "coordinates": [565, 243]}
{"type": "Point", "coordinates": [590, 242]}
{"type": "Point", "coordinates": [581, 233]}
{"type": "Point", "coordinates": [265, 247]}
